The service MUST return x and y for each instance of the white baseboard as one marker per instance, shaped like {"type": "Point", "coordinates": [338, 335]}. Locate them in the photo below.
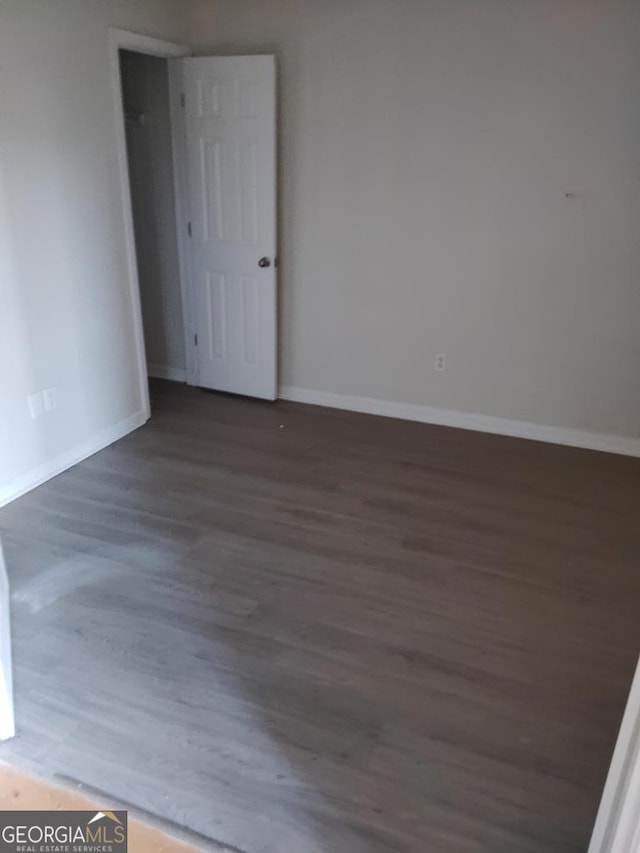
{"type": "Point", "coordinates": [464, 420]}
{"type": "Point", "coordinates": [60, 463]}
{"type": "Point", "coordinates": [159, 371]}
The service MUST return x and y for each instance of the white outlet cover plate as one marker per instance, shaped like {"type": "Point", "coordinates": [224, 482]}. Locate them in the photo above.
{"type": "Point", "coordinates": [49, 397]}
{"type": "Point", "coordinates": [36, 405]}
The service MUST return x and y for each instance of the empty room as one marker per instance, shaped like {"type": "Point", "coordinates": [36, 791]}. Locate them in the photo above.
{"type": "Point", "coordinates": [320, 426]}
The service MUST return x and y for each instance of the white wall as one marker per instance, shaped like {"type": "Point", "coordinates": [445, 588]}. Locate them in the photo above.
{"type": "Point", "coordinates": [145, 86]}
{"type": "Point", "coordinates": [427, 150]}
{"type": "Point", "coordinates": [65, 312]}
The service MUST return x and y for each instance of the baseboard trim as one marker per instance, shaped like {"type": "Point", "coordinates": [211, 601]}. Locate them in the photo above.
{"type": "Point", "coordinates": [464, 420]}
{"type": "Point", "coordinates": [159, 371]}
{"type": "Point", "coordinates": [66, 460]}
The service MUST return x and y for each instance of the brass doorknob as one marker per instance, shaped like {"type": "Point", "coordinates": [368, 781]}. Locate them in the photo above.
{"type": "Point", "coordinates": [264, 262]}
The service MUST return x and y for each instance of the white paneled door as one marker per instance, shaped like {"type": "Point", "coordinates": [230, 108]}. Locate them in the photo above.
{"type": "Point", "coordinates": [230, 132]}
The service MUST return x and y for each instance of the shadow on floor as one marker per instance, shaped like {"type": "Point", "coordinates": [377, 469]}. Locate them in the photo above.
{"type": "Point", "coordinates": [348, 634]}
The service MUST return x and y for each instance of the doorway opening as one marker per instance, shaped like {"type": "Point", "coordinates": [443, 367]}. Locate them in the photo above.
{"type": "Point", "coordinates": [147, 119]}
{"type": "Point", "coordinates": [197, 153]}
{"type": "Point", "coordinates": [144, 47]}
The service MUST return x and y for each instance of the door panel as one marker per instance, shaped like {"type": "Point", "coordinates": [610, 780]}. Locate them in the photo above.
{"type": "Point", "coordinates": [230, 131]}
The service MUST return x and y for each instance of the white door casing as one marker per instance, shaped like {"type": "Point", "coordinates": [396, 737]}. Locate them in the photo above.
{"type": "Point", "coordinates": [617, 827]}
{"type": "Point", "coordinates": [230, 152]}
{"type": "Point", "coordinates": [7, 728]}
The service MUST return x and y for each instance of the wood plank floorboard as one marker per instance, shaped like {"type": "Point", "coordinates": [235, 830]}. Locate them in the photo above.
{"type": "Point", "coordinates": [298, 630]}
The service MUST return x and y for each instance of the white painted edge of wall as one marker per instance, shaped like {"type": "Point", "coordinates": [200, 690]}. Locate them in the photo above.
{"type": "Point", "coordinates": [464, 420]}
{"type": "Point", "coordinates": [617, 827]}
{"type": "Point", "coordinates": [160, 371]}
{"type": "Point", "coordinates": [7, 723]}
{"type": "Point", "coordinates": [71, 457]}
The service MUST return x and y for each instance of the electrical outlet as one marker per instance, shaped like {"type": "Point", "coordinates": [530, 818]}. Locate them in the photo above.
{"type": "Point", "coordinates": [49, 399]}
{"type": "Point", "coordinates": [36, 405]}
{"type": "Point", "coordinates": [441, 362]}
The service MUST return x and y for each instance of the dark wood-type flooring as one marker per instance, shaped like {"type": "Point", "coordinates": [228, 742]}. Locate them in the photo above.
{"type": "Point", "coordinates": [298, 630]}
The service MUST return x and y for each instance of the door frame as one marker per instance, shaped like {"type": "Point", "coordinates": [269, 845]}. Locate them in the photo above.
{"type": "Point", "coordinates": [140, 43]}
{"type": "Point", "coordinates": [617, 827]}
{"type": "Point", "coordinates": [7, 724]}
